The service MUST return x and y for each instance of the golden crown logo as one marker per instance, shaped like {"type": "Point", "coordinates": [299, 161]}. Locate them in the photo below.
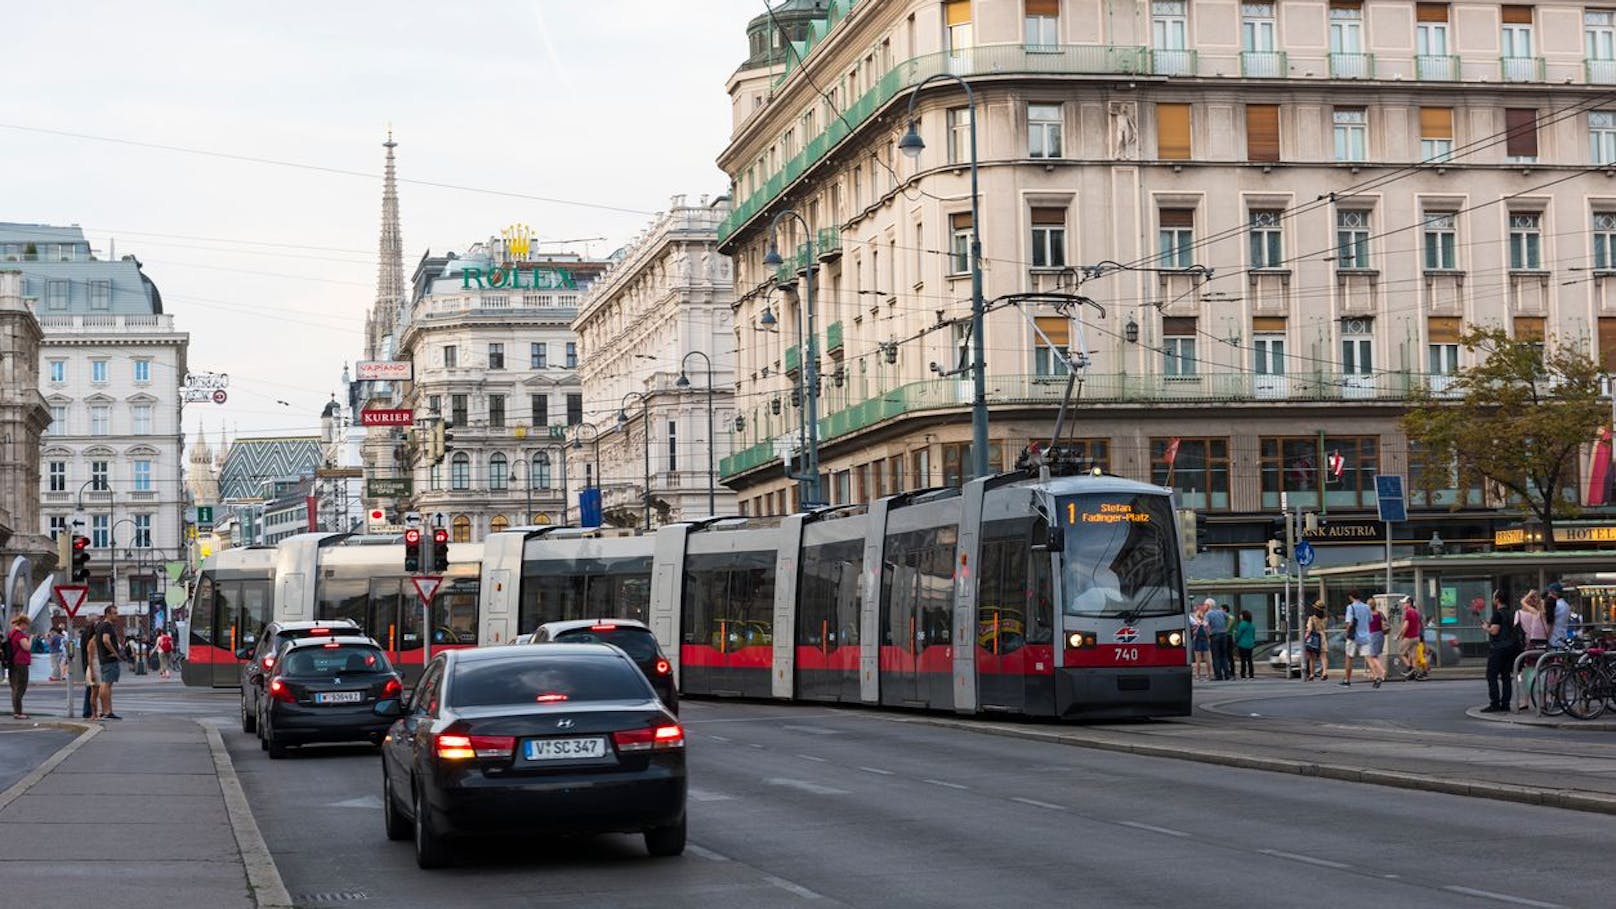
{"type": "Point", "coordinates": [518, 240]}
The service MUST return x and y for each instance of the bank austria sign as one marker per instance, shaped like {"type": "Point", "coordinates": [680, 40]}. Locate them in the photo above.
{"type": "Point", "coordinates": [509, 277]}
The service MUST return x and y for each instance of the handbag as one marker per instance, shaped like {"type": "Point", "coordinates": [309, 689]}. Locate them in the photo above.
{"type": "Point", "coordinates": [1312, 641]}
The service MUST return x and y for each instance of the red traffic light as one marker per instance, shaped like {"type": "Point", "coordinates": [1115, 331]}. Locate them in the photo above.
{"type": "Point", "coordinates": [440, 535]}
{"type": "Point", "coordinates": [412, 537]}
{"type": "Point", "coordinates": [81, 543]}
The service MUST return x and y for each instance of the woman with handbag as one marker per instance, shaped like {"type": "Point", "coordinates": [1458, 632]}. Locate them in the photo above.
{"type": "Point", "coordinates": [1317, 665]}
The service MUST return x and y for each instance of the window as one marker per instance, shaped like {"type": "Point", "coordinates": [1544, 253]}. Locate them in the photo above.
{"type": "Point", "coordinates": [1431, 29]}
{"type": "Point", "coordinates": [1043, 24]}
{"type": "Point", "coordinates": [1176, 239]}
{"type": "Point", "coordinates": [460, 471]}
{"type": "Point", "coordinates": [957, 24]}
{"type": "Point", "coordinates": [100, 531]}
{"type": "Point", "coordinates": [1599, 44]}
{"type": "Point", "coordinates": [1173, 132]}
{"type": "Point", "coordinates": [143, 528]}
{"type": "Point", "coordinates": [460, 529]}
{"type": "Point", "coordinates": [143, 474]}
{"type": "Point", "coordinates": [56, 293]}
{"type": "Point", "coordinates": [539, 355]}
{"type": "Point", "coordinates": [496, 411]}
{"type": "Point", "coordinates": [142, 372]}
{"type": "Point", "coordinates": [1044, 128]}
{"type": "Point", "coordinates": [1049, 357]}
{"type": "Point", "coordinates": [1515, 44]}
{"type": "Point", "coordinates": [142, 419]}
{"type": "Point", "coordinates": [1520, 142]}
{"type": "Point", "coordinates": [434, 404]}
{"type": "Point", "coordinates": [673, 446]}
{"type": "Point", "coordinates": [100, 294]}
{"type": "Point", "coordinates": [98, 371]}
{"type": "Point", "coordinates": [57, 369]}
{"type": "Point", "coordinates": [1442, 359]}
{"type": "Point", "coordinates": [1346, 29]}
{"type": "Point", "coordinates": [435, 476]}
{"type": "Point", "coordinates": [1299, 465]}
{"type": "Point", "coordinates": [1048, 238]}
{"type": "Point", "coordinates": [541, 410]}
{"type": "Point", "coordinates": [1351, 134]}
{"type": "Point", "coordinates": [1442, 351]}
{"type": "Point", "coordinates": [1357, 354]}
{"type": "Point", "coordinates": [457, 410]}
{"type": "Point", "coordinates": [1602, 137]}
{"type": "Point", "coordinates": [1436, 133]}
{"type": "Point", "coordinates": [572, 354]}
{"type": "Point", "coordinates": [1604, 231]}
{"type": "Point", "coordinates": [1268, 354]}
{"type": "Point", "coordinates": [451, 356]}
{"type": "Point", "coordinates": [1197, 468]}
{"type": "Point", "coordinates": [58, 414]}
{"type": "Point", "coordinates": [1262, 132]}
{"type": "Point", "coordinates": [575, 409]}
{"type": "Point", "coordinates": [58, 525]}
{"type": "Point", "coordinates": [541, 469]}
{"type": "Point", "coordinates": [959, 259]}
{"type": "Point", "coordinates": [100, 476]}
{"type": "Point", "coordinates": [1257, 28]}
{"type": "Point", "coordinates": [58, 476]}
{"type": "Point", "coordinates": [1169, 32]}
{"type": "Point", "coordinates": [100, 420]}
{"type": "Point", "coordinates": [1525, 241]}
{"type": "Point", "coordinates": [1178, 347]}
{"type": "Point", "coordinates": [959, 136]}
{"type": "Point", "coordinates": [1267, 250]}
{"type": "Point", "coordinates": [496, 356]}
{"type": "Point", "coordinates": [1441, 241]}
{"type": "Point", "coordinates": [498, 472]}
{"type": "Point", "coordinates": [1352, 239]}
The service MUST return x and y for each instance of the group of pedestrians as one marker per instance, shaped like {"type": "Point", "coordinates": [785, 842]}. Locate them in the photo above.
{"type": "Point", "coordinates": [1217, 638]}
{"type": "Point", "coordinates": [1537, 623]}
{"type": "Point", "coordinates": [1364, 631]}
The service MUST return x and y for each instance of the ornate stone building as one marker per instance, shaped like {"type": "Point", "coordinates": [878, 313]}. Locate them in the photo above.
{"type": "Point", "coordinates": [23, 418]}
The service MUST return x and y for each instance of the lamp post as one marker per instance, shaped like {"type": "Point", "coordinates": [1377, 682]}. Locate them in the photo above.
{"type": "Point", "coordinates": [712, 441]}
{"type": "Point", "coordinates": [578, 445]}
{"type": "Point", "coordinates": [810, 356]}
{"type": "Point", "coordinates": [100, 484]}
{"type": "Point", "coordinates": [622, 423]}
{"type": "Point", "coordinates": [912, 145]}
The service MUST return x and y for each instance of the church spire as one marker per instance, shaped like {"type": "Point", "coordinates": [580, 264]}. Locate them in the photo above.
{"type": "Point", "coordinates": [390, 259]}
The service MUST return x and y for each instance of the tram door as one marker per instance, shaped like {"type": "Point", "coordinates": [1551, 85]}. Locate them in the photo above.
{"type": "Point", "coordinates": [241, 610]}
{"type": "Point", "coordinates": [395, 618]}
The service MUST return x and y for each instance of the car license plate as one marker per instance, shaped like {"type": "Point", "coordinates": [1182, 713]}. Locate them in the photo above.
{"type": "Point", "coordinates": [339, 697]}
{"type": "Point", "coordinates": [565, 749]}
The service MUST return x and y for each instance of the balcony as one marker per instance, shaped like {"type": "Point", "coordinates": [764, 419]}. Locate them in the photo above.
{"type": "Point", "coordinates": [833, 337]}
{"type": "Point", "coordinates": [1352, 66]}
{"type": "Point", "coordinates": [828, 243]}
{"type": "Point", "coordinates": [793, 360]}
{"type": "Point", "coordinates": [1263, 65]}
{"type": "Point", "coordinates": [1173, 62]}
{"type": "Point", "coordinates": [1520, 69]}
{"type": "Point", "coordinates": [1600, 72]}
{"type": "Point", "coordinates": [1436, 68]}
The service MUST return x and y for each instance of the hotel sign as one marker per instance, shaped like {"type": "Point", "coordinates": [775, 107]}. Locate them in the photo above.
{"type": "Point", "coordinates": [385, 370]}
{"type": "Point", "coordinates": [1516, 536]}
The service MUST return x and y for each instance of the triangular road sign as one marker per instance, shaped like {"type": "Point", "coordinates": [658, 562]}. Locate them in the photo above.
{"type": "Point", "coordinates": [426, 586]}
{"type": "Point", "coordinates": [72, 597]}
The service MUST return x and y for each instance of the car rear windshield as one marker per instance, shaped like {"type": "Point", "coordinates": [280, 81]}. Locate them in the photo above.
{"type": "Point", "coordinates": [343, 659]}
{"type": "Point", "coordinates": [541, 679]}
{"type": "Point", "coordinates": [638, 643]}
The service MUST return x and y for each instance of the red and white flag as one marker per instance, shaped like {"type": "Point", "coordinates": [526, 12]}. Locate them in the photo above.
{"type": "Point", "coordinates": [1171, 454]}
{"type": "Point", "coordinates": [1337, 464]}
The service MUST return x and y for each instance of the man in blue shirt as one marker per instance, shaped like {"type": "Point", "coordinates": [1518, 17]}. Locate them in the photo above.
{"type": "Point", "coordinates": [1559, 614]}
{"type": "Point", "coordinates": [1217, 631]}
{"type": "Point", "coordinates": [1357, 623]}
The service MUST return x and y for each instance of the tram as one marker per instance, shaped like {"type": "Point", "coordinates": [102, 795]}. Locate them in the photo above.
{"type": "Point", "coordinates": [1013, 594]}
{"type": "Point", "coordinates": [229, 607]}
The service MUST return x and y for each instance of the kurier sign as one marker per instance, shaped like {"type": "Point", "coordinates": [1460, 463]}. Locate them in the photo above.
{"type": "Point", "coordinates": [385, 370]}
{"type": "Point", "coordinates": [380, 417]}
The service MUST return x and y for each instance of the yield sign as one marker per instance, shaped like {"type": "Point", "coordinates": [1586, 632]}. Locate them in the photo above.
{"type": "Point", "coordinates": [426, 585]}
{"type": "Point", "coordinates": [72, 597]}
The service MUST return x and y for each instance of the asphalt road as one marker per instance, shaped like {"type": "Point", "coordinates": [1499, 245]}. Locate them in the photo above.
{"type": "Point", "coordinates": [799, 805]}
{"type": "Point", "coordinates": [23, 749]}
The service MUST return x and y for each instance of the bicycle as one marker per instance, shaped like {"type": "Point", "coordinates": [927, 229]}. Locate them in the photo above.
{"type": "Point", "coordinates": [1589, 686]}
{"type": "Point", "coordinates": [1544, 694]}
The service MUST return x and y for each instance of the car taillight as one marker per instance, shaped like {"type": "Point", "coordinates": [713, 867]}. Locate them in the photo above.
{"type": "Point", "coordinates": [280, 692]}
{"type": "Point", "coordinates": [663, 667]}
{"type": "Point", "coordinates": [319, 631]}
{"type": "Point", "coordinates": [269, 662]}
{"type": "Point", "coordinates": [393, 688]}
{"type": "Point", "coordinates": [332, 645]}
{"type": "Point", "coordinates": [550, 698]}
{"type": "Point", "coordinates": [659, 738]}
{"type": "Point", "coordinates": [467, 747]}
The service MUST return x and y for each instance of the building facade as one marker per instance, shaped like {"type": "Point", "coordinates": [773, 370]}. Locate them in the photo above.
{"type": "Point", "coordinates": [111, 366]}
{"type": "Point", "coordinates": [661, 311]}
{"type": "Point", "coordinates": [23, 418]}
{"type": "Point", "coordinates": [1284, 214]}
{"type": "Point", "coordinates": [256, 473]}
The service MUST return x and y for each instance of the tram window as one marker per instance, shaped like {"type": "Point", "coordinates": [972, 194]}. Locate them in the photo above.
{"type": "Point", "coordinates": [345, 598]}
{"type": "Point", "coordinates": [704, 600]}
{"type": "Point", "coordinates": [936, 614]}
{"type": "Point", "coordinates": [255, 603]}
{"type": "Point", "coordinates": [202, 612]}
{"type": "Point", "coordinates": [1040, 591]}
{"type": "Point", "coordinates": [454, 614]}
{"type": "Point", "coordinates": [227, 609]}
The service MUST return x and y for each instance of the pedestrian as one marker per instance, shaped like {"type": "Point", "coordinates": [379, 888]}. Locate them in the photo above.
{"type": "Point", "coordinates": [56, 641]}
{"type": "Point", "coordinates": [1502, 647]}
{"type": "Point", "coordinates": [1357, 634]}
{"type": "Point", "coordinates": [1200, 644]}
{"type": "Point", "coordinates": [1217, 632]}
{"type": "Point", "coordinates": [90, 662]}
{"type": "Point", "coordinates": [1413, 625]}
{"type": "Point", "coordinates": [1377, 646]}
{"type": "Point", "coordinates": [1245, 640]}
{"type": "Point", "coordinates": [1557, 612]}
{"type": "Point", "coordinates": [1535, 632]}
{"type": "Point", "coordinates": [108, 649]}
{"type": "Point", "coordinates": [20, 644]}
{"type": "Point", "coordinates": [1314, 639]}
{"type": "Point", "coordinates": [165, 653]}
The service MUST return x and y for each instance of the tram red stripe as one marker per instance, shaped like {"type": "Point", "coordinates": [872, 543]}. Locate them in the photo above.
{"type": "Point", "coordinates": [755, 657]}
{"type": "Point", "coordinates": [840, 659]}
{"type": "Point", "coordinates": [1123, 655]}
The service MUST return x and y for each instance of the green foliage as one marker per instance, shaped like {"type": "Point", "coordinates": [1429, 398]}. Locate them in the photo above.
{"type": "Point", "coordinates": [1514, 423]}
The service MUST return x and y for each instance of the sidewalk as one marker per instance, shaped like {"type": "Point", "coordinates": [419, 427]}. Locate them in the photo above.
{"type": "Point", "coordinates": [142, 811]}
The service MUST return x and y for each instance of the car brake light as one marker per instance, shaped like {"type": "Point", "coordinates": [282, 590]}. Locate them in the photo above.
{"type": "Point", "coordinates": [319, 631]}
{"type": "Point", "coordinates": [603, 627]}
{"type": "Point", "coordinates": [550, 698]}
{"type": "Point", "coordinates": [280, 692]}
{"type": "Point", "coordinates": [393, 688]}
{"type": "Point", "coordinates": [466, 747]}
{"type": "Point", "coordinates": [269, 662]}
{"type": "Point", "coordinates": [663, 667]}
{"type": "Point", "coordinates": [453, 748]}
{"type": "Point", "coordinates": [659, 738]}
{"type": "Point", "coordinates": [333, 645]}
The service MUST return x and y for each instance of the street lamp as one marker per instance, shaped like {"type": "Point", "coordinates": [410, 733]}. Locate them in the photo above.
{"type": "Point", "coordinates": [809, 476]}
{"type": "Point", "coordinates": [683, 382]}
{"type": "Point", "coordinates": [101, 485]}
{"type": "Point", "coordinates": [622, 424]}
{"type": "Point", "coordinates": [911, 144]}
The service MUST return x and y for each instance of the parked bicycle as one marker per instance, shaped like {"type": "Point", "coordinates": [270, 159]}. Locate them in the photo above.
{"type": "Point", "coordinates": [1588, 687]}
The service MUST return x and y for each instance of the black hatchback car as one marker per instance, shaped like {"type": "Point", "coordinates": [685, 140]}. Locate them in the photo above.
{"type": "Point", "coordinates": [632, 637]}
{"type": "Point", "coordinates": [566, 739]}
{"type": "Point", "coordinates": [262, 660]}
{"type": "Point", "coordinates": [336, 689]}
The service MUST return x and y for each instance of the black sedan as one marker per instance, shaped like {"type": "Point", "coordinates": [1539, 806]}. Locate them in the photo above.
{"type": "Point", "coordinates": [329, 689]}
{"type": "Point", "coordinates": [633, 638]}
{"type": "Point", "coordinates": [565, 739]}
{"type": "Point", "coordinates": [270, 640]}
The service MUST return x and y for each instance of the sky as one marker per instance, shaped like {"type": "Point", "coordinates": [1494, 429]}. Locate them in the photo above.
{"type": "Point", "coordinates": [271, 268]}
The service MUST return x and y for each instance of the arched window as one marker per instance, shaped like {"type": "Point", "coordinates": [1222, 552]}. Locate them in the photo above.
{"type": "Point", "coordinates": [498, 524]}
{"type": "Point", "coordinates": [462, 530]}
{"type": "Point", "coordinates": [460, 471]}
{"type": "Point", "coordinates": [541, 469]}
{"type": "Point", "coordinates": [498, 477]}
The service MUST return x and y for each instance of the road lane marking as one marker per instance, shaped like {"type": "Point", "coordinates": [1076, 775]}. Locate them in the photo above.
{"type": "Point", "coordinates": [946, 783]}
{"type": "Point", "coordinates": [753, 745]}
{"type": "Point", "coordinates": [813, 730]}
{"type": "Point", "coordinates": [718, 738]}
{"type": "Point", "coordinates": [1037, 804]}
{"type": "Point", "coordinates": [703, 795]}
{"type": "Point", "coordinates": [876, 770]}
{"type": "Point", "coordinates": [818, 760]}
{"type": "Point", "coordinates": [1501, 897]}
{"type": "Point", "coordinates": [373, 802]}
{"type": "Point", "coordinates": [805, 786]}
{"type": "Point", "coordinates": [1152, 828]}
{"type": "Point", "coordinates": [707, 854]}
{"type": "Point", "coordinates": [789, 887]}
{"type": "Point", "coordinates": [1304, 859]}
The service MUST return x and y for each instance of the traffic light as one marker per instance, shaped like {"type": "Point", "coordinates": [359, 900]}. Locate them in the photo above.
{"type": "Point", "coordinates": [1276, 554]}
{"type": "Point", "coordinates": [81, 559]}
{"type": "Point", "coordinates": [438, 442]}
{"type": "Point", "coordinates": [1189, 537]}
{"type": "Point", "coordinates": [412, 550]}
{"type": "Point", "coordinates": [440, 550]}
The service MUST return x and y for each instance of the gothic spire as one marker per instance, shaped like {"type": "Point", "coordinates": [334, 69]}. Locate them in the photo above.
{"type": "Point", "coordinates": [390, 258]}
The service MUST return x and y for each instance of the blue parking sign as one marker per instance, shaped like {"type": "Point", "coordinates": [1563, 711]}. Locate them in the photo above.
{"type": "Point", "coordinates": [1389, 499]}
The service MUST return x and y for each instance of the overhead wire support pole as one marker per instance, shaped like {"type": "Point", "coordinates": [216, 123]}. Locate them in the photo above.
{"type": "Point", "coordinates": [808, 372]}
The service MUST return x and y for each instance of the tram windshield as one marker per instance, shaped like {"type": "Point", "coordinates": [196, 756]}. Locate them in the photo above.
{"type": "Point", "coordinates": [1121, 558]}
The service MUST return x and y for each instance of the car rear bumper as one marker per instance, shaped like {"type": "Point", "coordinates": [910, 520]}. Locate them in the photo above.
{"type": "Point", "coordinates": [296, 724]}
{"type": "Point", "coordinates": [561, 806]}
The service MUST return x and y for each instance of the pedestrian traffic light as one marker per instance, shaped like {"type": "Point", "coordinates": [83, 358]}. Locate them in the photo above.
{"type": "Point", "coordinates": [412, 550]}
{"type": "Point", "coordinates": [81, 559]}
{"type": "Point", "coordinates": [440, 550]}
{"type": "Point", "coordinates": [1276, 554]}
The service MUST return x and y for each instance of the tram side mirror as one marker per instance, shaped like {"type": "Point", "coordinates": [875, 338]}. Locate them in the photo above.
{"type": "Point", "coordinates": [1055, 540]}
{"type": "Point", "coordinates": [244, 653]}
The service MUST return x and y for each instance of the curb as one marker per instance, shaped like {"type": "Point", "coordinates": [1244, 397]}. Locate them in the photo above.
{"type": "Point", "coordinates": [263, 878]}
{"type": "Point", "coordinates": [87, 731]}
{"type": "Point", "coordinates": [1531, 721]}
{"type": "Point", "coordinates": [1503, 792]}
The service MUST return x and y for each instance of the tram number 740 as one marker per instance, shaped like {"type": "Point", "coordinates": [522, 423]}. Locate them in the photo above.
{"type": "Point", "coordinates": [1126, 654]}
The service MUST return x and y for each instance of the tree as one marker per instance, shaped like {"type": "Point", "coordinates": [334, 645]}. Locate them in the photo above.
{"type": "Point", "coordinates": [1514, 423]}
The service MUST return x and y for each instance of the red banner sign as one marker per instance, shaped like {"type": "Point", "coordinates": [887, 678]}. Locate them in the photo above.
{"type": "Point", "coordinates": [403, 417]}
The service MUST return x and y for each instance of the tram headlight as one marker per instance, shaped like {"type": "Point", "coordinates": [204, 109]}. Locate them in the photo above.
{"type": "Point", "coordinates": [1169, 639]}
{"type": "Point", "coordinates": [1080, 639]}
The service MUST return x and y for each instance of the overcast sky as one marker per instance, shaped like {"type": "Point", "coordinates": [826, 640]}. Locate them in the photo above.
{"type": "Point", "coordinates": [618, 103]}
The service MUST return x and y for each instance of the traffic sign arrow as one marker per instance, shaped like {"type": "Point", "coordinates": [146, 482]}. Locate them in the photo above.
{"type": "Point", "coordinates": [426, 586]}
{"type": "Point", "coordinates": [72, 596]}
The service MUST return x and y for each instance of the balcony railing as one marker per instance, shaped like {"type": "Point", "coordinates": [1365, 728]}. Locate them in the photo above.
{"type": "Point", "coordinates": [1601, 72]}
{"type": "Point", "coordinates": [1263, 64]}
{"type": "Point", "coordinates": [1352, 66]}
{"type": "Point", "coordinates": [829, 243]}
{"type": "Point", "coordinates": [793, 360]}
{"type": "Point", "coordinates": [833, 336]}
{"type": "Point", "coordinates": [1173, 62]}
{"type": "Point", "coordinates": [1436, 68]}
{"type": "Point", "coordinates": [1521, 69]}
